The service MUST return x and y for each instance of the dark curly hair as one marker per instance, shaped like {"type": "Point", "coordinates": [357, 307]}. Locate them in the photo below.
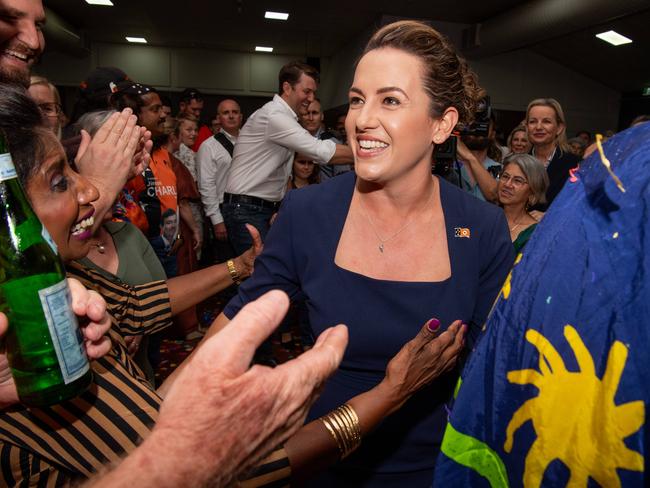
{"type": "Point", "coordinates": [446, 77]}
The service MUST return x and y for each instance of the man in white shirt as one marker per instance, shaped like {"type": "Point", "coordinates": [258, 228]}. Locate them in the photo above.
{"type": "Point", "coordinates": [213, 161]}
{"type": "Point", "coordinates": [262, 159]}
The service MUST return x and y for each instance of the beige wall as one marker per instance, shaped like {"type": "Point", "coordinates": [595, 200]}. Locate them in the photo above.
{"type": "Point", "coordinates": [512, 79]}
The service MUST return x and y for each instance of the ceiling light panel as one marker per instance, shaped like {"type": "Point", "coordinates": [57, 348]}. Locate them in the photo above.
{"type": "Point", "coordinates": [276, 15]}
{"type": "Point", "coordinates": [106, 3]}
{"type": "Point", "coordinates": [263, 49]}
{"type": "Point", "coordinates": [613, 38]}
{"type": "Point", "coordinates": [139, 40]}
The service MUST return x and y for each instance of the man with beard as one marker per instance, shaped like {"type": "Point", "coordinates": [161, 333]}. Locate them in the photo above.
{"type": "Point", "coordinates": [21, 39]}
{"type": "Point", "coordinates": [486, 151]}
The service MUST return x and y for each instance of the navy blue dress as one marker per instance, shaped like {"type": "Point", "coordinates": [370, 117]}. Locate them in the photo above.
{"type": "Point", "coordinates": [381, 316]}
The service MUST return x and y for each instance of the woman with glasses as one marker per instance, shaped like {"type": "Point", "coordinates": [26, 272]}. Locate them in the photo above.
{"type": "Point", "coordinates": [521, 185]}
{"type": "Point", "coordinates": [48, 100]}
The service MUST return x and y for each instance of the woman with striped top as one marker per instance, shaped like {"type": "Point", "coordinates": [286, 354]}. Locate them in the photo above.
{"type": "Point", "coordinates": [55, 445]}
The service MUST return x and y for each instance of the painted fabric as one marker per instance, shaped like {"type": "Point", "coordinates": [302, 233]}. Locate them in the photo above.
{"type": "Point", "coordinates": [557, 390]}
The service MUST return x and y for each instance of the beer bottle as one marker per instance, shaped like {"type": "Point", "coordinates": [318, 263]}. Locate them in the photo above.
{"type": "Point", "coordinates": [44, 345]}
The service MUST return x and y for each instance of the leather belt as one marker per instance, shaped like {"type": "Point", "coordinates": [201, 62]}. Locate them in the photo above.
{"type": "Point", "coordinates": [260, 202]}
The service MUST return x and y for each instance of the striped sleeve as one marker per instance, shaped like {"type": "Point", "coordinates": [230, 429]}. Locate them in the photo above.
{"type": "Point", "coordinates": [273, 472]}
{"type": "Point", "coordinates": [135, 309]}
{"type": "Point", "coordinates": [71, 441]}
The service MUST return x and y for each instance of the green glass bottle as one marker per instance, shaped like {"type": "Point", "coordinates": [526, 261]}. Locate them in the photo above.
{"type": "Point", "coordinates": [44, 345]}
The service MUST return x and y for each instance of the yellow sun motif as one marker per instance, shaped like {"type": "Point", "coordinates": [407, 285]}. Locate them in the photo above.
{"type": "Point", "coordinates": [574, 415]}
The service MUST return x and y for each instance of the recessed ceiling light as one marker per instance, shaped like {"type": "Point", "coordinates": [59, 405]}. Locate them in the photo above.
{"type": "Point", "coordinates": [108, 3]}
{"type": "Point", "coordinates": [614, 38]}
{"type": "Point", "coordinates": [140, 40]}
{"type": "Point", "coordinates": [263, 49]}
{"type": "Point", "coordinates": [276, 15]}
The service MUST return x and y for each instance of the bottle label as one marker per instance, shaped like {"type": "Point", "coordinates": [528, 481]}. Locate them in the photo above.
{"type": "Point", "coordinates": [7, 169]}
{"type": "Point", "coordinates": [48, 238]}
{"type": "Point", "coordinates": [66, 336]}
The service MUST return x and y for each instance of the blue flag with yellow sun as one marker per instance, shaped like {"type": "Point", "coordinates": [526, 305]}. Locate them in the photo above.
{"type": "Point", "coordinates": [556, 392]}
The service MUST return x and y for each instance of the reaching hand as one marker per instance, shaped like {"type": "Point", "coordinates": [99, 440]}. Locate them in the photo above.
{"type": "Point", "coordinates": [247, 259]}
{"type": "Point", "coordinates": [240, 413]}
{"type": "Point", "coordinates": [107, 159]}
{"type": "Point", "coordinates": [424, 358]}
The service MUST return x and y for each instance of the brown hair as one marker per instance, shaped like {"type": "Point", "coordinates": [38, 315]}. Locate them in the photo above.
{"type": "Point", "coordinates": [446, 77]}
{"type": "Point", "coordinates": [291, 73]}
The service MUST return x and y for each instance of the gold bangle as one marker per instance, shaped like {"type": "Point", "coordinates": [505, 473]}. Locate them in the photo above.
{"type": "Point", "coordinates": [343, 425]}
{"type": "Point", "coordinates": [234, 274]}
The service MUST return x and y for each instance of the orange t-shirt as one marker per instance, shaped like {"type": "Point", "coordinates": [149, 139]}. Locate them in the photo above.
{"type": "Point", "coordinates": [158, 197]}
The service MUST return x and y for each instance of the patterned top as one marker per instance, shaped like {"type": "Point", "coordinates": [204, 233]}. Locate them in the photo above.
{"type": "Point", "coordinates": [65, 443]}
{"type": "Point", "coordinates": [56, 445]}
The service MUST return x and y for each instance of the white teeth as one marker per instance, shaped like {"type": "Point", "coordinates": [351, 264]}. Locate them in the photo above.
{"type": "Point", "coordinates": [83, 225]}
{"type": "Point", "coordinates": [366, 144]}
{"type": "Point", "coordinates": [16, 54]}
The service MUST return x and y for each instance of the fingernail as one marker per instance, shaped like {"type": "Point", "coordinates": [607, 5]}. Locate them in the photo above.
{"type": "Point", "coordinates": [433, 325]}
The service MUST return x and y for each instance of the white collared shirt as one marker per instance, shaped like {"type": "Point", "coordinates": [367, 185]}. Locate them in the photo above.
{"type": "Point", "coordinates": [264, 152]}
{"type": "Point", "coordinates": [213, 162]}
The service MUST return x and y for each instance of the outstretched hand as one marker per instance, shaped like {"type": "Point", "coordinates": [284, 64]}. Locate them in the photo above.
{"type": "Point", "coordinates": [424, 358]}
{"type": "Point", "coordinates": [118, 151]}
{"type": "Point", "coordinates": [240, 413]}
{"type": "Point", "coordinates": [247, 259]}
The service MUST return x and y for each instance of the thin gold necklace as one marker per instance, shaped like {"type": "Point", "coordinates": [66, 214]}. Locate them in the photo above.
{"type": "Point", "coordinates": [512, 229]}
{"type": "Point", "coordinates": [401, 229]}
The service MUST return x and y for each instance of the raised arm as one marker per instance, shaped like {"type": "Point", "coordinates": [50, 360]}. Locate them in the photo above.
{"type": "Point", "coordinates": [238, 414]}
{"type": "Point", "coordinates": [485, 180]}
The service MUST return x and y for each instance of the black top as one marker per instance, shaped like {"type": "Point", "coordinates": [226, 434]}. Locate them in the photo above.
{"type": "Point", "coordinates": [558, 172]}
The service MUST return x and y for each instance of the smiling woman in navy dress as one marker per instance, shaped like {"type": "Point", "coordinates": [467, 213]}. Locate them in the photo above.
{"type": "Point", "coordinates": [386, 249]}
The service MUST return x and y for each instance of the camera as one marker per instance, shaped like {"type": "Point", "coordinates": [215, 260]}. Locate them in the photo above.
{"type": "Point", "coordinates": [444, 157]}
{"type": "Point", "coordinates": [481, 125]}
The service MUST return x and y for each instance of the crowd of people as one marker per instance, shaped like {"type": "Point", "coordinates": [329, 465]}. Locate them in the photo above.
{"type": "Point", "coordinates": [353, 223]}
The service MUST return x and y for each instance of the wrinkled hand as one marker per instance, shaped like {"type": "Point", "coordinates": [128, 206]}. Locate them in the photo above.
{"type": "Point", "coordinates": [246, 261]}
{"type": "Point", "coordinates": [239, 413]}
{"type": "Point", "coordinates": [424, 358]}
{"type": "Point", "coordinates": [107, 159]}
{"type": "Point", "coordinates": [220, 232]}
{"type": "Point", "coordinates": [95, 322]}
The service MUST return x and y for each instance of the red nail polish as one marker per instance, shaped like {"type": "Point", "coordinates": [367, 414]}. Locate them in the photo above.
{"type": "Point", "coordinates": [433, 325]}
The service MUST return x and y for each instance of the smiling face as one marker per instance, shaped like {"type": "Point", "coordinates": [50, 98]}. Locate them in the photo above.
{"type": "Point", "coordinates": [513, 187]}
{"type": "Point", "coordinates": [62, 200]}
{"type": "Point", "coordinates": [389, 125]}
{"type": "Point", "coordinates": [187, 132]}
{"type": "Point", "coordinates": [21, 38]}
{"type": "Point", "coordinates": [519, 143]}
{"type": "Point", "coordinates": [543, 126]}
{"type": "Point", "coordinates": [300, 95]}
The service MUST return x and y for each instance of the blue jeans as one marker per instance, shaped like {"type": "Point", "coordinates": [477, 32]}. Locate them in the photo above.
{"type": "Point", "coordinates": [235, 215]}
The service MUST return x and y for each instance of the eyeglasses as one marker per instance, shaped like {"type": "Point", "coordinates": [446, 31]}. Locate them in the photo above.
{"type": "Point", "coordinates": [516, 181]}
{"type": "Point", "coordinates": [51, 109]}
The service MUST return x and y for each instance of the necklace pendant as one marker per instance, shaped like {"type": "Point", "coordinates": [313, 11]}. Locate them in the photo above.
{"type": "Point", "coordinates": [381, 248]}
